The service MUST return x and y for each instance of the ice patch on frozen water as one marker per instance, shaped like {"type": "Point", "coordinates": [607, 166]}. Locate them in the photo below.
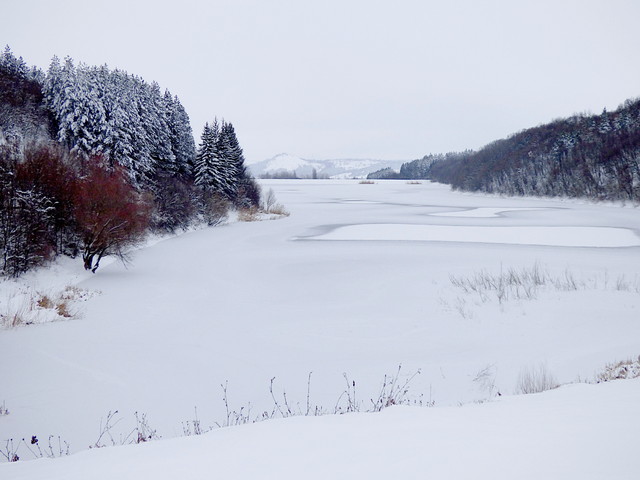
{"type": "Point", "coordinates": [484, 212]}
{"type": "Point", "coordinates": [518, 235]}
{"type": "Point", "coordinates": [357, 200]}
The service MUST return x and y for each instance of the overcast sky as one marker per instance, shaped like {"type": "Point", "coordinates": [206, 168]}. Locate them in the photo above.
{"type": "Point", "coordinates": [353, 79]}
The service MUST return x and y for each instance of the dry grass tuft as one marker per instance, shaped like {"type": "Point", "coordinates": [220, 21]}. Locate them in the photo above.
{"type": "Point", "coordinates": [71, 292]}
{"type": "Point", "coordinates": [527, 282]}
{"type": "Point", "coordinates": [45, 302]}
{"type": "Point", "coordinates": [278, 209]}
{"type": "Point", "coordinates": [15, 313]}
{"type": "Point", "coordinates": [248, 214]}
{"type": "Point", "coordinates": [13, 319]}
{"type": "Point", "coordinates": [532, 380]}
{"type": "Point", "coordinates": [62, 308]}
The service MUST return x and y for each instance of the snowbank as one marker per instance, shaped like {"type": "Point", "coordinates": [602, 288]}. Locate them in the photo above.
{"type": "Point", "coordinates": [575, 432]}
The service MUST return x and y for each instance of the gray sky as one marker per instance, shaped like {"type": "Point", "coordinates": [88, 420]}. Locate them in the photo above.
{"type": "Point", "coordinates": [353, 79]}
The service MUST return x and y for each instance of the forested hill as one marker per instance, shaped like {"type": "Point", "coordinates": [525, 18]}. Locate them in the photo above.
{"type": "Point", "coordinates": [591, 156]}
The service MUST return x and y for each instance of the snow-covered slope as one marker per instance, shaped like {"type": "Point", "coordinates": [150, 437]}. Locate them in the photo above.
{"type": "Point", "coordinates": [345, 168]}
{"type": "Point", "coordinates": [585, 432]}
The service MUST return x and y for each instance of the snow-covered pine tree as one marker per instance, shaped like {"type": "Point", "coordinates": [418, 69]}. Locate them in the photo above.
{"type": "Point", "coordinates": [142, 166]}
{"type": "Point", "coordinates": [157, 129]}
{"type": "Point", "coordinates": [236, 157]}
{"type": "Point", "coordinates": [228, 172]}
{"type": "Point", "coordinates": [205, 157]}
{"type": "Point", "coordinates": [88, 113]}
{"type": "Point", "coordinates": [180, 136]}
{"type": "Point", "coordinates": [222, 176]}
{"type": "Point", "coordinates": [122, 119]}
{"type": "Point", "coordinates": [60, 96]}
{"type": "Point", "coordinates": [13, 65]}
{"type": "Point", "coordinates": [241, 187]}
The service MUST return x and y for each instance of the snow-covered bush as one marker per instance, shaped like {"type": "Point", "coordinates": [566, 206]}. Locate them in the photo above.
{"type": "Point", "coordinates": [37, 187]}
{"type": "Point", "coordinates": [248, 193]}
{"type": "Point", "coordinates": [620, 370]}
{"type": "Point", "coordinates": [279, 209]}
{"type": "Point", "coordinates": [269, 200]}
{"type": "Point", "coordinates": [15, 309]}
{"type": "Point", "coordinates": [214, 208]}
{"type": "Point", "coordinates": [27, 306]}
{"type": "Point", "coordinates": [270, 204]}
{"type": "Point", "coordinates": [175, 204]}
{"type": "Point", "coordinates": [26, 217]}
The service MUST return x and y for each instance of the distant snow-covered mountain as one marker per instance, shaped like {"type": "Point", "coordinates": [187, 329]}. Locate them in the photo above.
{"type": "Point", "coordinates": [284, 164]}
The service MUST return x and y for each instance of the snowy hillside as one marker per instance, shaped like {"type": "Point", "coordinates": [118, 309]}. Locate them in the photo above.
{"type": "Point", "coordinates": [477, 297]}
{"type": "Point", "coordinates": [345, 168]}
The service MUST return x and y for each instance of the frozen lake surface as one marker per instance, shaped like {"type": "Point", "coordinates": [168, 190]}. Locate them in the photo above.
{"type": "Point", "coordinates": [246, 302]}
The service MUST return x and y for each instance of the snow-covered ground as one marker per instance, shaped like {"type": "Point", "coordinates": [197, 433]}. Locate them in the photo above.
{"type": "Point", "coordinates": [246, 302]}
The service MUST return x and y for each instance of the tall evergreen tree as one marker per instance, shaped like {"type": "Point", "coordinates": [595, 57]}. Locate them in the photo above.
{"type": "Point", "coordinates": [206, 155]}
{"type": "Point", "coordinates": [230, 153]}
{"type": "Point", "coordinates": [180, 135]}
{"type": "Point", "coordinates": [12, 65]}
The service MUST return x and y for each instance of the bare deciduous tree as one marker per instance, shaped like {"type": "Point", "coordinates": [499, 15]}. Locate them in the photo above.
{"type": "Point", "coordinates": [111, 215]}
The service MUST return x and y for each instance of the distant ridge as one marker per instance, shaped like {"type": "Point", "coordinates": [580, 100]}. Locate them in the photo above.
{"type": "Point", "coordinates": [286, 166]}
{"type": "Point", "coordinates": [585, 156]}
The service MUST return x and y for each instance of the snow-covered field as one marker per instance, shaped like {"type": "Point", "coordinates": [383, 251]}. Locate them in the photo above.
{"type": "Point", "coordinates": [353, 282]}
